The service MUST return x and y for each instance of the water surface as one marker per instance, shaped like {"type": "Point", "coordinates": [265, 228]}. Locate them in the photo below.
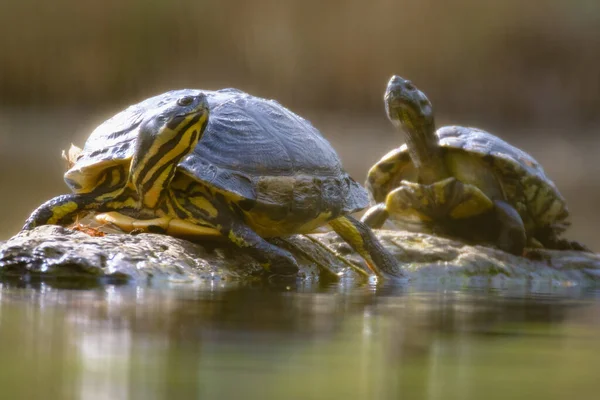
{"type": "Point", "coordinates": [218, 341]}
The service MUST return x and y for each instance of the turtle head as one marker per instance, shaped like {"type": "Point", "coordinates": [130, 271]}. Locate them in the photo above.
{"type": "Point", "coordinates": [407, 107]}
{"type": "Point", "coordinates": [172, 118]}
{"type": "Point", "coordinates": [411, 112]}
{"type": "Point", "coordinates": [168, 132]}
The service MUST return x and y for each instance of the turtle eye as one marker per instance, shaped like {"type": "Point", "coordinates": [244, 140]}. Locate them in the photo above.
{"type": "Point", "coordinates": [409, 86]}
{"type": "Point", "coordinates": [185, 101]}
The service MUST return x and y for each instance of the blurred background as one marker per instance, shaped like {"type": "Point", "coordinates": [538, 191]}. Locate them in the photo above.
{"type": "Point", "coordinates": [527, 72]}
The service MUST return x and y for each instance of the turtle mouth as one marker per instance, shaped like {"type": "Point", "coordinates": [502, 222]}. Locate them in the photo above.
{"type": "Point", "coordinates": [178, 119]}
{"type": "Point", "coordinates": [397, 97]}
{"type": "Point", "coordinates": [398, 107]}
{"type": "Point", "coordinates": [199, 110]}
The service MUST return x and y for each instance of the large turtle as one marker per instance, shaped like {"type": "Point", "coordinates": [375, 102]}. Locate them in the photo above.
{"type": "Point", "coordinates": [462, 181]}
{"type": "Point", "coordinates": [250, 171]}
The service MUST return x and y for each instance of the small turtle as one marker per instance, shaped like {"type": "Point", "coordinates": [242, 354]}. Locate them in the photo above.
{"type": "Point", "coordinates": [462, 181]}
{"type": "Point", "coordinates": [253, 170]}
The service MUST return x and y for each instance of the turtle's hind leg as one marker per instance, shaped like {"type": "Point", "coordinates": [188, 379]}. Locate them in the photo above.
{"type": "Point", "coordinates": [60, 210]}
{"type": "Point", "coordinates": [549, 238]}
{"type": "Point", "coordinates": [512, 236]}
{"type": "Point", "coordinates": [375, 216]}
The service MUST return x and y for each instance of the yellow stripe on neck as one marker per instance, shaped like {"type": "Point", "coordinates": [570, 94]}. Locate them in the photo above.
{"type": "Point", "coordinates": [151, 186]}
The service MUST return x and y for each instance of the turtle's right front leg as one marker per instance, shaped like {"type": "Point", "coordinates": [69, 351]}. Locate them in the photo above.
{"type": "Point", "coordinates": [218, 215]}
{"type": "Point", "coordinates": [274, 259]}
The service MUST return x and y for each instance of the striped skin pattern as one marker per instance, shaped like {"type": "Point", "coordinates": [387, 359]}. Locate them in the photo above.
{"type": "Point", "coordinates": [155, 167]}
{"type": "Point", "coordinates": [165, 136]}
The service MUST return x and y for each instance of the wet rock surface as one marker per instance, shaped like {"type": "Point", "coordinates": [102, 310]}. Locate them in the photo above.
{"type": "Point", "coordinates": [53, 251]}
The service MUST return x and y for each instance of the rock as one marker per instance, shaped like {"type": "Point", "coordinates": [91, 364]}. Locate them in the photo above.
{"type": "Point", "coordinates": [53, 251]}
{"type": "Point", "coordinates": [60, 252]}
{"type": "Point", "coordinates": [426, 257]}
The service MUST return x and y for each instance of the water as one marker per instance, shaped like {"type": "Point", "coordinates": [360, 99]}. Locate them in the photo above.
{"type": "Point", "coordinates": [296, 342]}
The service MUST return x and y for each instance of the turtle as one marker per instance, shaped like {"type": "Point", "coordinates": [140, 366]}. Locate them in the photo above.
{"type": "Point", "coordinates": [462, 181]}
{"type": "Point", "coordinates": [200, 163]}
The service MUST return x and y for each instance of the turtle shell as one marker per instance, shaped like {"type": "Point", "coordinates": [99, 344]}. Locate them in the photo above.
{"type": "Point", "coordinates": [253, 148]}
{"type": "Point", "coordinates": [522, 178]}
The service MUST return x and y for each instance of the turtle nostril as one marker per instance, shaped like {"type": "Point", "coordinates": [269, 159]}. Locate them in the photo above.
{"type": "Point", "coordinates": [396, 80]}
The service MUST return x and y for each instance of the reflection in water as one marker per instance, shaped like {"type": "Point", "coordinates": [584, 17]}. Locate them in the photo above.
{"type": "Point", "coordinates": [210, 342]}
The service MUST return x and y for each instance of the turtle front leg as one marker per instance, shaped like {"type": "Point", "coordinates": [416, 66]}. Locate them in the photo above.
{"type": "Point", "coordinates": [375, 216]}
{"type": "Point", "coordinates": [219, 215]}
{"type": "Point", "coordinates": [362, 239]}
{"type": "Point", "coordinates": [60, 210]}
{"type": "Point", "coordinates": [512, 237]}
{"type": "Point", "coordinates": [274, 259]}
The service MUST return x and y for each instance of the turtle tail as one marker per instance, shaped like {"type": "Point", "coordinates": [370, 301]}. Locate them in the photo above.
{"type": "Point", "coordinates": [60, 210]}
